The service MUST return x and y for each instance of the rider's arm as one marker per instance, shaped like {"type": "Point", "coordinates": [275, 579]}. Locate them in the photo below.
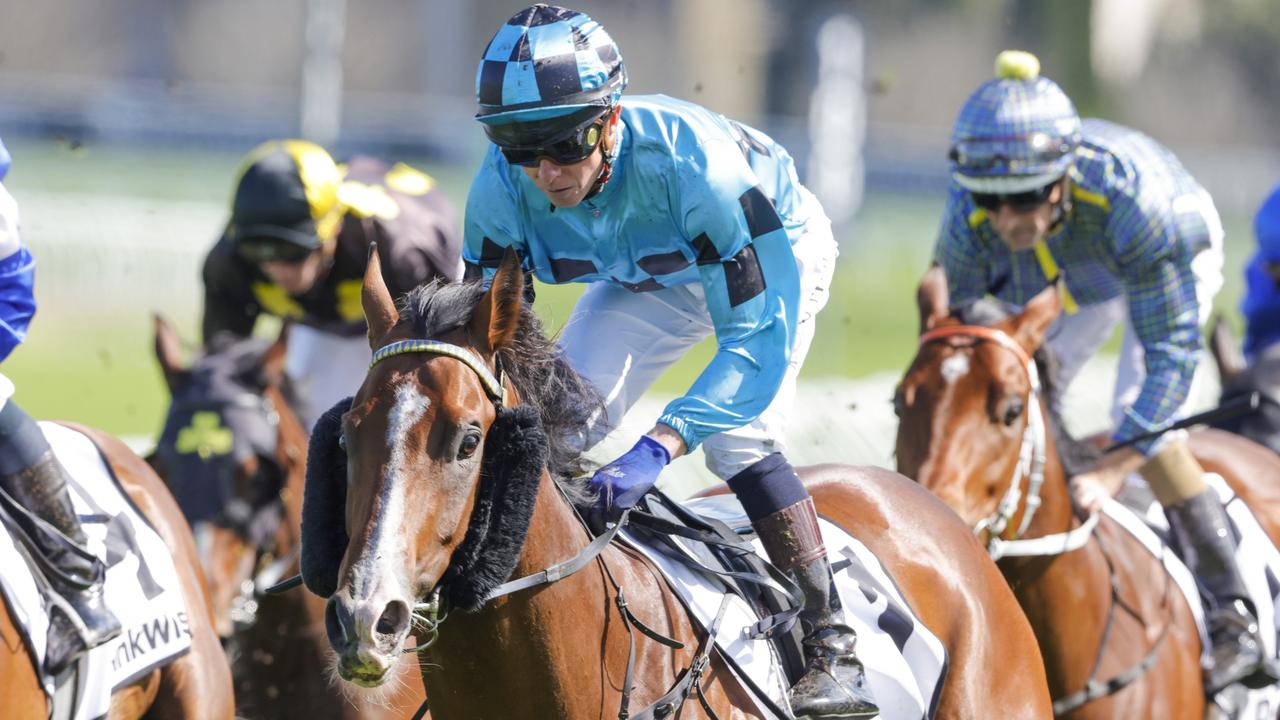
{"type": "Point", "coordinates": [17, 276]}
{"type": "Point", "coordinates": [492, 223]}
{"type": "Point", "coordinates": [229, 304]}
{"type": "Point", "coordinates": [752, 287]}
{"type": "Point", "coordinates": [1155, 266]}
{"type": "Point", "coordinates": [958, 251]}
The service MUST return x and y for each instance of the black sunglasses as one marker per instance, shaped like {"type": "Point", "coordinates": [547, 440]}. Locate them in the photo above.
{"type": "Point", "coordinates": [1020, 201]}
{"type": "Point", "coordinates": [264, 250]}
{"type": "Point", "coordinates": [577, 147]}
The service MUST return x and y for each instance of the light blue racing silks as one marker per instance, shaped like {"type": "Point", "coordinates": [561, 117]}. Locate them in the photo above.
{"type": "Point", "coordinates": [1130, 231]}
{"type": "Point", "coordinates": [693, 198]}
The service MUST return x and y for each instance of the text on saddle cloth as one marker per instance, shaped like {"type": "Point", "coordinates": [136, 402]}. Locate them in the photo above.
{"type": "Point", "coordinates": [142, 587]}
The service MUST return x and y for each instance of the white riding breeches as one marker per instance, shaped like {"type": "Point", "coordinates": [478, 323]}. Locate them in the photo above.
{"type": "Point", "coordinates": [323, 369]}
{"type": "Point", "coordinates": [622, 342]}
{"type": "Point", "coordinates": [1074, 339]}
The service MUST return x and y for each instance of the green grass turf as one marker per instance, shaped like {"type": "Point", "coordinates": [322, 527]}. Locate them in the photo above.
{"type": "Point", "coordinates": [98, 368]}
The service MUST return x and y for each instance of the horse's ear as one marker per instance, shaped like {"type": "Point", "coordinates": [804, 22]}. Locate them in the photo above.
{"type": "Point", "coordinates": [273, 358]}
{"type": "Point", "coordinates": [933, 298]}
{"type": "Point", "coordinates": [1037, 315]}
{"type": "Point", "coordinates": [379, 307]}
{"type": "Point", "coordinates": [497, 317]}
{"type": "Point", "coordinates": [169, 352]}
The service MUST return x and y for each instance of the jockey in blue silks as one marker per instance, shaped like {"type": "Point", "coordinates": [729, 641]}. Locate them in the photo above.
{"type": "Point", "coordinates": [685, 224]}
{"type": "Point", "coordinates": [1261, 304]}
{"type": "Point", "coordinates": [1038, 194]}
{"type": "Point", "coordinates": [35, 481]}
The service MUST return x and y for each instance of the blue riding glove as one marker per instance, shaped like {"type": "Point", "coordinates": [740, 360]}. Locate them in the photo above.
{"type": "Point", "coordinates": [621, 483]}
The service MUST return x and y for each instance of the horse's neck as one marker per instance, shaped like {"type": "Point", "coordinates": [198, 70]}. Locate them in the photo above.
{"type": "Point", "coordinates": [1049, 588]}
{"type": "Point", "coordinates": [541, 647]}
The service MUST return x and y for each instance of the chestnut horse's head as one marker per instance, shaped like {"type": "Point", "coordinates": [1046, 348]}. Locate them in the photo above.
{"type": "Point", "coordinates": [972, 427]}
{"type": "Point", "coordinates": [230, 449]}
{"type": "Point", "coordinates": [442, 461]}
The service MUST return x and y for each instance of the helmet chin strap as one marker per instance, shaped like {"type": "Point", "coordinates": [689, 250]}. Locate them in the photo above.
{"type": "Point", "coordinates": [606, 165]}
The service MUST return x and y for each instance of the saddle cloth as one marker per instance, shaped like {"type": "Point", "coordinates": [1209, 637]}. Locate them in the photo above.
{"type": "Point", "coordinates": [142, 586]}
{"type": "Point", "coordinates": [1256, 556]}
{"type": "Point", "coordinates": [905, 661]}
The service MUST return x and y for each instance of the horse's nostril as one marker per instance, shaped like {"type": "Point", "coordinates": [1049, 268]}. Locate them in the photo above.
{"type": "Point", "coordinates": [394, 620]}
{"type": "Point", "coordinates": [334, 626]}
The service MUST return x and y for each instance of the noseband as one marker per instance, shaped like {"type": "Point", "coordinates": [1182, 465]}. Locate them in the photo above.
{"type": "Point", "coordinates": [1031, 461]}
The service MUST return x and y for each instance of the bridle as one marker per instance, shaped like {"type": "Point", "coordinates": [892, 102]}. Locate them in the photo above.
{"type": "Point", "coordinates": [431, 613]}
{"type": "Point", "coordinates": [1031, 462]}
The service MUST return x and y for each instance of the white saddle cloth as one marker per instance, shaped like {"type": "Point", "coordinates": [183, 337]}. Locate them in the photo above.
{"type": "Point", "coordinates": [142, 586]}
{"type": "Point", "coordinates": [1256, 556]}
{"type": "Point", "coordinates": [905, 661]}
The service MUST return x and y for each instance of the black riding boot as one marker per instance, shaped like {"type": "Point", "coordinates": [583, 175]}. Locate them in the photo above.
{"type": "Point", "coordinates": [1202, 531]}
{"type": "Point", "coordinates": [79, 618]}
{"type": "Point", "coordinates": [835, 684]}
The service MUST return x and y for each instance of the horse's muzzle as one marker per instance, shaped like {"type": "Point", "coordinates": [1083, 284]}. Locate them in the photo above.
{"type": "Point", "coordinates": [366, 637]}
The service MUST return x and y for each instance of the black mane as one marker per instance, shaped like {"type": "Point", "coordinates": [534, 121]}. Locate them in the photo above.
{"type": "Point", "coordinates": [1076, 456]}
{"type": "Point", "coordinates": [566, 403]}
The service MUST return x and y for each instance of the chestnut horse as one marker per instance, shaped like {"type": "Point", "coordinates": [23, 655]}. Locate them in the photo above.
{"type": "Point", "coordinates": [448, 492]}
{"type": "Point", "coordinates": [234, 453]}
{"type": "Point", "coordinates": [197, 684]}
{"type": "Point", "coordinates": [979, 428]}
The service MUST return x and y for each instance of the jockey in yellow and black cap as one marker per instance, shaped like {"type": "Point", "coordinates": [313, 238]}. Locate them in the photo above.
{"type": "Point", "coordinates": [296, 247]}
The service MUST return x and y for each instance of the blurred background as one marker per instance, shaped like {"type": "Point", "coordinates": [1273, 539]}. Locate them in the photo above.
{"type": "Point", "coordinates": [127, 118]}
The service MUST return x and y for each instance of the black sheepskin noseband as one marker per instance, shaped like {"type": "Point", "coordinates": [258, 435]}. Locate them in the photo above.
{"type": "Point", "coordinates": [515, 454]}
{"type": "Point", "coordinates": [324, 501]}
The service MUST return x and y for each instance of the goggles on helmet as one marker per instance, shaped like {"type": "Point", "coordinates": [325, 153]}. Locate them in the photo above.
{"type": "Point", "coordinates": [1020, 201]}
{"type": "Point", "coordinates": [260, 250]}
{"type": "Point", "coordinates": [564, 140]}
{"type": "Point", "coordinates": [1014, 154]}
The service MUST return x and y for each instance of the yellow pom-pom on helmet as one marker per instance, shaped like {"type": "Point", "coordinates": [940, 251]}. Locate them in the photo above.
{"type": "Point", "coordinates": [1017, 65]}
{"type": "Point", "coordinates": [1016, 132]}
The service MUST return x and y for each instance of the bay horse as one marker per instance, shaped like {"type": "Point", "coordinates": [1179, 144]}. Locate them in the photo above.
{"type": "Point", "coordinates": [451, 447]}
{"type": "Point", "coordinates": [979, 427]}
{"type": "Point", "coordinates": [197, 684]}
{"type": "Point", "coordinates": [234, 453]}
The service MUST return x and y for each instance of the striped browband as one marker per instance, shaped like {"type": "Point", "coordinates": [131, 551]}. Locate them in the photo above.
{"type": "Point", "coordinates": [492, 383]}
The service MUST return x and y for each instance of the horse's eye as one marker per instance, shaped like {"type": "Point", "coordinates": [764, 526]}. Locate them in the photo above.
{"type": "Point", "coordinates": [470, 442]}
{"type": "Point", "coordinates": [899, 402]}
{"type": "Point", "coordinates": [1012, 411]}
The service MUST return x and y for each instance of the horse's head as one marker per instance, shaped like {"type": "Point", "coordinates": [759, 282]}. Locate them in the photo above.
{"type": "Point", "coordinates": [229, 450]}
{"type": "Point", "coordinates": [437, 406]}
{"type": "Point", "coordinates": [970, 418]}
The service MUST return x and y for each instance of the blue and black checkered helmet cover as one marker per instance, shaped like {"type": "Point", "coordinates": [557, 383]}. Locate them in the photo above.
{"type": "Point", "coordinates": [548, 61]}
{"type": "Point", "coordinates": [1266, 226]}
{"type": "Point", "coordinates": [1004, 117]}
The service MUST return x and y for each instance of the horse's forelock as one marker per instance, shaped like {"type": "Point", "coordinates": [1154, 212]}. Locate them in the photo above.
{"type": "Point", "coordinates": [566, 402]}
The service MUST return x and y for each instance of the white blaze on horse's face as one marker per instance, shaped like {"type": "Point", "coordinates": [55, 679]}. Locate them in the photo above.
{"type": "Point", "coordinates": [955, 367]}
{"type": "Point", "coordinates": [387, 542]}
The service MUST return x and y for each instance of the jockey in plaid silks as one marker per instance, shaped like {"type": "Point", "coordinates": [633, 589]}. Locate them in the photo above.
{"type": "Point", "coordinates": [685, 224]}
{"type": "Point", "coordinates": [1039, 196]}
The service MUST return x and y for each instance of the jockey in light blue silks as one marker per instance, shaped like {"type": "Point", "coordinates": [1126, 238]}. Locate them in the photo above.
{"type": "Point", "coordinates": [1038, 194]}
{"type": "Point", "coordinates": [685, 224]}
{"type": "Point", "coordinates": [35, 481]}
{"type": "Point", "coordinates": [1261, 304]}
